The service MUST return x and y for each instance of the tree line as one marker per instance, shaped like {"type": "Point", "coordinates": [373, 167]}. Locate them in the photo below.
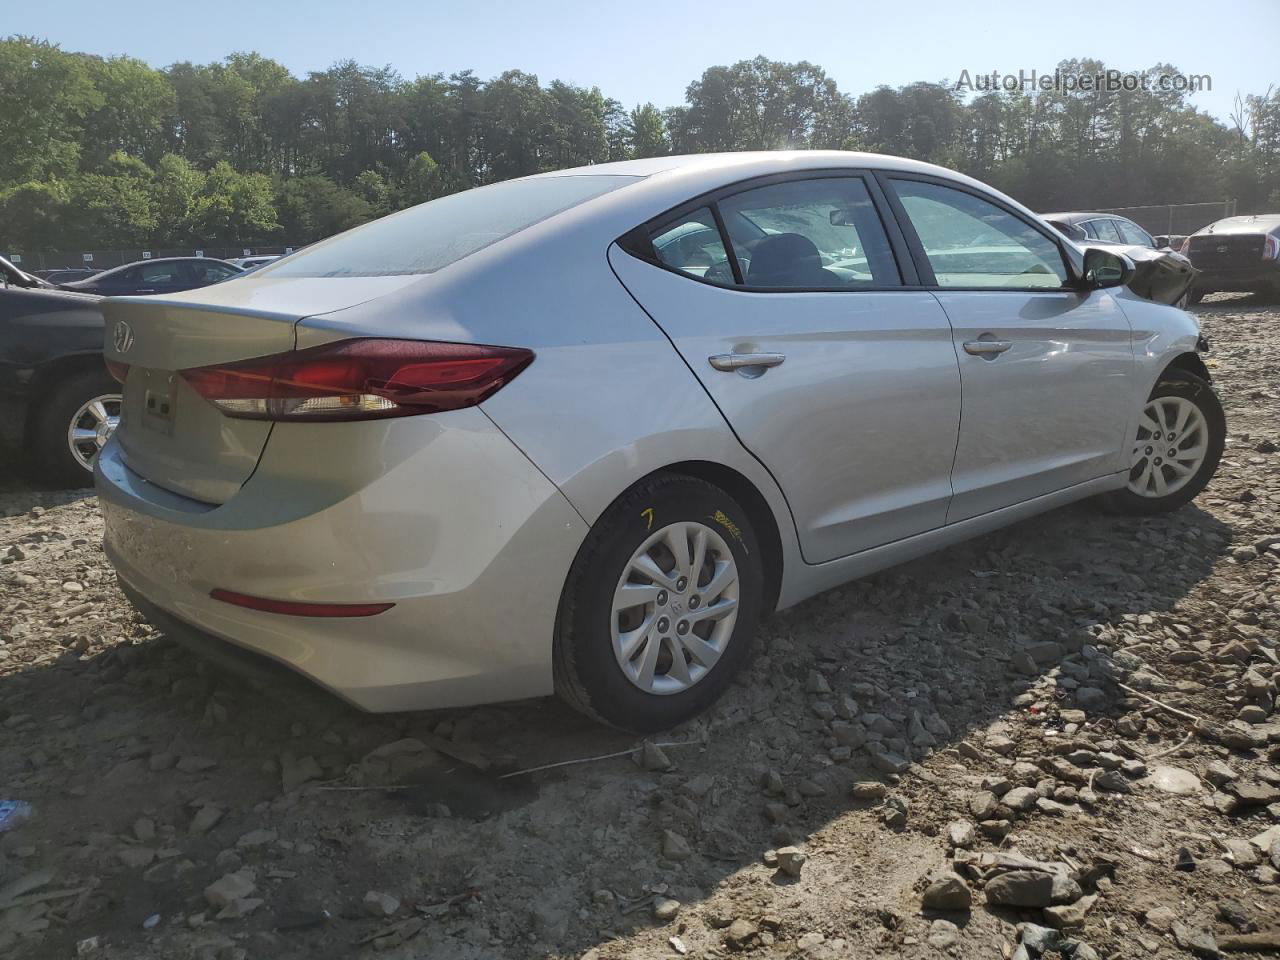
{"type": "Point", "coordinates": [102, 153]}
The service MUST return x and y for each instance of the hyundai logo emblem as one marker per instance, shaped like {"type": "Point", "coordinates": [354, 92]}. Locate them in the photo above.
{"type": "Point", "coordinates": [122, 337]}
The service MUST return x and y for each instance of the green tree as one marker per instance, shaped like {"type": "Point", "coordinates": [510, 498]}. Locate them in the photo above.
{"type": "Point", "coordinates": [648, 132]}
{"type": "Point", "coordinates": [45, 94]}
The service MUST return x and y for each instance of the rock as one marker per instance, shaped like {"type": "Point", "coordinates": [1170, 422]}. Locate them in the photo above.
{"type": "Point", "coordinates": [206, 819]}
{"type": "Point", "coordinates": [1020, 888]}
{"type": "Point", "coordinates": [791, 860]}
{"type": "Point", "coordinates": [378, 904]}
{"type": "Point", "coordinates": [194, 764]}
{"type": "Point", "coordinates": [948, 892]}
{"type": "Point", "coordinates": [232, 886]}
{"type": "Point", "coordinates": [653, 758]}
{"type": "Point", "coordinates": [1021, 799]}
{"type": "Point", "coordinates": [144, 829]}
{"type": "Point", "coordinates": [889, 762]}
{"type": "Point", "coordinates": [998, 743]}
{"type": "Point", "coordinates": [675, 847]}
{"type": "Point", "coordinates": [961, 834]}
{"type": "Point", "coordinates": [1112, 781]}
{"type": "Point", "coordinates": [295, 771]}
{"type": "Point", "coordinates": [868, 790]}
{"type": "Point", "coordinates": [1198, 940]}
{"type": "Point", "coordinates": [740, 934]}
{"type": "Point", "coordinates": [1242, 853]}
{"type": "Point", "coordinates": [1039, 940]}
{"type": "Point", "coordinates": [136, 857]}
{"type": "Point", "coordinates": [943, 934]}
{"type": "Point", "coordinates": [256, 838]}
{"type": "Point", "coordinates": [983, 805]}
{"type": "Point", "coordinates": [1174, 780]}
{"type": "Point", "coordinates": [665, 909]}
{"type": "Point", "coordinates": [817, 684]}
{"type": "Point", "coordinates": [1070, 914]}
{"type": "Point", "coordinates": [1254, 793]}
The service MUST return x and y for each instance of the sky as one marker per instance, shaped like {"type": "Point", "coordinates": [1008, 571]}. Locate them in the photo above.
{"type": "Point", "coordinates": [650, 51]}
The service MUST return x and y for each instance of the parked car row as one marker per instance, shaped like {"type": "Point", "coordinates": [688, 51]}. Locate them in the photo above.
{"type": "Point", "coordinates": [1160, 273]}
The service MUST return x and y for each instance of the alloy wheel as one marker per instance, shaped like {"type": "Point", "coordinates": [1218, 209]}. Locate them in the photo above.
{"type": "Point", "coordinates": [674, 608]}
{"type": "Point", "coordinates": [92, 426]}
{"type": "Point", "coordinates": [1173, 439]}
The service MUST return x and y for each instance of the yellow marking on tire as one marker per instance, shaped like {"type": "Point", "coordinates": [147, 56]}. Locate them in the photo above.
{"type": "Point", "coordinates": [647, 512]}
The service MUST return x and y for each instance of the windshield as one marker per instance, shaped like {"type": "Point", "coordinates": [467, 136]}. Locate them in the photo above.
{"type": "Point", "coordinates": [431, 236]}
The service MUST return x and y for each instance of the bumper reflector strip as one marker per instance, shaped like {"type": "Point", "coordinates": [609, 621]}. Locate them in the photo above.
{"type": "Point", "coordinates": [291, 609]}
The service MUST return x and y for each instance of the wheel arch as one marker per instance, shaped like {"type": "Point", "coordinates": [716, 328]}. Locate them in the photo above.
{"type": "Point", "coordinates": [1191, 363]}
{"type": "Point", "coordinates": [758, 512]}
{"type": "Point", "coordinates": [46, 379]}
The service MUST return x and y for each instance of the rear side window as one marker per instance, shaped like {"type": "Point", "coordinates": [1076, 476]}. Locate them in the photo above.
{"type": "Point", "coordinates": [1103, 230]}
{"type": "Point", "coordinates": [818, 234]}
{"type": "Point", "coordinates": [1132, 233]}
{"type": "Point", "coordinates": [431, 236]}
{"type": "Point", "coordinates": [692, 245]}
{"type": "Point", "coordinates": [971, 242]}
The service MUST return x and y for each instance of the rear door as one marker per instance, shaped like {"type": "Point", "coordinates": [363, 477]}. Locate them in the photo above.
{"type": "Point", "coordinates": [786, 300]}
{"type": "Point", "coordinates": [1047, 369]}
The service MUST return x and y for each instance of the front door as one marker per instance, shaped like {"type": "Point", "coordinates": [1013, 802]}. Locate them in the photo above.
{"type": "Point", "coordinates": [1046, 368]}
{"type": "Point", "coordinates": [841, 382]}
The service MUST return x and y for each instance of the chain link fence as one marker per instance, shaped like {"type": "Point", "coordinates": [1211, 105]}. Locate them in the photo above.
{"type": "Point", "coordinates": [1175, 219]}
{"type": "Point", "coordinates": [106, 259]}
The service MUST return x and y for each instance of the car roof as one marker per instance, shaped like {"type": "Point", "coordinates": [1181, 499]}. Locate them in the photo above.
{"type": "Point", "coordinates": [1079, 216]}
{"type": "Point", "coordinates": [1264, 221]}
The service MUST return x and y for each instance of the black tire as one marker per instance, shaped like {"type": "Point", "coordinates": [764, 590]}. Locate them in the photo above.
{"type": "Point", "coordinates": [1180, 383]}
{"type": "Point", "coordinates": [52, 461]}
{"type": "Point", "coordinates": [587, 674]}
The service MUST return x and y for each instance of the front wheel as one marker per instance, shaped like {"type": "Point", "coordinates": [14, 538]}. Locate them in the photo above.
{"type": "Point", "coordinates": [1179, 441]}
{"type": "Point", "coordinates": [660, 607]}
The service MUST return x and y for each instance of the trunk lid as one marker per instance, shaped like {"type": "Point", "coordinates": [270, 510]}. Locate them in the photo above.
{"type": "Point", "coordinates": [168, 433]}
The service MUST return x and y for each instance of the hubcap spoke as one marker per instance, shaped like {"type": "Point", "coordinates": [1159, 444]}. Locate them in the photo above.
{"type": "Point", "coordinates": [678, 542]}
{"type": "Point", "coordinates": [645, 565]}
{"type": "Point", "coordinates": [635, 594]}
{"type": "Point", "coordinates": [649, 660]}
{"type": "Point", "coordinates": [725, 574]}
{"type": "Point", "coordinates": [703, 652]}
{"type": "Point", "coordinates": [679, 669]}
{"type": "Point", "coordinates": [715, 611]}
{"type": "Point", "coordinates": [91, 427]}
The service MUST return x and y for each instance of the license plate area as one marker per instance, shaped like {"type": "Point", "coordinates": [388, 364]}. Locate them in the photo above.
{"type": "Point", "coordinates": [160, 403]}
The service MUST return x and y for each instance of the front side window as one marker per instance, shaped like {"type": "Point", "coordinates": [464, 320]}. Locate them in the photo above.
{"type": "Point", "coordinates": [432, 235]}
{"type": "Point", "coordinates": [971, 242]}
{"type": "Point", "coordinates": [818, 234]}
{"type": "Point", "coordinates": [158, 273]}
{"type": "Point", "coordinates": [1132, 233]}
{"type": "Point", "coordinates": [210, 272]}
{"type": "Point", "coordinates": [692, 245]}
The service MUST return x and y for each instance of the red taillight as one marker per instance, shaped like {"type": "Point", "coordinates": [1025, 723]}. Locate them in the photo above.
{"type": "Point", "coordinates": [1184, 248]}
{"type": "Point", "coordinates": [1271, 249]}
{"type": "Point", "coordinates": [289, 608]}
{"type": "Point", "coordinates": [118, 370]}
{"type": "Point", "coordinates": [359, 380]}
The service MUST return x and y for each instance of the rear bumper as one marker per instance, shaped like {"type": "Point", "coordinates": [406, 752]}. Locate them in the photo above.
{"type": "Point", "coordinates": [442, 516]}
{"type": "Point", "coordinates": [1250, 278]}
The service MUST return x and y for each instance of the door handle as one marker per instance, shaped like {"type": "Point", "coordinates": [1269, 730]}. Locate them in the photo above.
{"type": "Point", "coordinates": [987, 349]}
{"type": "Point", "coordinates": [737, 361]}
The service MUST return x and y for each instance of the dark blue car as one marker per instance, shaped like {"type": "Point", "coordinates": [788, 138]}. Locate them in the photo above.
{"type": "Point", "coordinates": [167, 275]}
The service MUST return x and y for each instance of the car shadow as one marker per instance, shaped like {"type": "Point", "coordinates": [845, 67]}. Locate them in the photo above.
{"type": "Point", "coordinates": [437, 806]}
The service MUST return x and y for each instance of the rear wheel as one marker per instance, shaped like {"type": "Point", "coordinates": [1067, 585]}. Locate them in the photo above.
{"type": "Point", "coordinates": [659, 609]}
{"type": "Point", "coordinates": [77, 418]}
{"type": "Point", "coordinates": [1175, 453]}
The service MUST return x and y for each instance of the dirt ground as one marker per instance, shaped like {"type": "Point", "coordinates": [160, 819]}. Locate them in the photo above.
{"type": "Point", "coordinates": [939, 752]}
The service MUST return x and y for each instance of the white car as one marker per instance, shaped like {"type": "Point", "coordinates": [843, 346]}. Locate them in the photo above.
{"type": "Point", "coordinates": [253, 263]}
{"type": "Point", "coordinates": [579, 432]}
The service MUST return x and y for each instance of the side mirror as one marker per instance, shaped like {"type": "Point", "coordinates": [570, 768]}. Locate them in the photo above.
{"type": "Point", "coordinates": [1103, 269]}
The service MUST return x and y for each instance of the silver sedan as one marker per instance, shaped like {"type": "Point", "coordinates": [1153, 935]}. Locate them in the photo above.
{"type": "Point", "coordinates": [578, 432]}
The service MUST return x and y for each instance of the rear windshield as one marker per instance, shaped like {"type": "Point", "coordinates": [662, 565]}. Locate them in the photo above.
{"type": "Point", "coordinates": [431, 236]}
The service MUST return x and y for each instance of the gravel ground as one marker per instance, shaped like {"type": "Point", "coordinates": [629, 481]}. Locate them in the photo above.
{"type": "Point", "coordinates": [939, 759]}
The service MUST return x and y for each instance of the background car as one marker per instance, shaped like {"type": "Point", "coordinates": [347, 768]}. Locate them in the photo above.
{"type": "Point", "coordinates": [65, 274]}
{"type": "Point", "coordinates": [578, 432]}
{"type": "Point", "coordinates": [252, 263]}
{"type": "Point", "coordinates": [58, 403]}
{"type": "Point", "coordinates": [166, 275]}
{"type": "Point", "coordinates": [1160, 272]}
{"type": "Point", "coordinates": [1237, 254]}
